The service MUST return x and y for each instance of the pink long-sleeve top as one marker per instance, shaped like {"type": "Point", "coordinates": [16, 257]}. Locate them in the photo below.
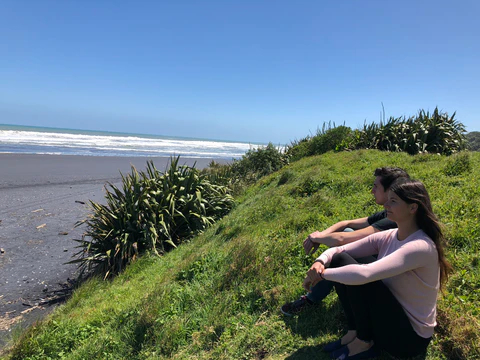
{"type": "Point", "coordinates": [409, 268]}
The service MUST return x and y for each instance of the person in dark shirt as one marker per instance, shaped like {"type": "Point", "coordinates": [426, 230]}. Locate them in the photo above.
{"type": "Point", "coordinates": [348, 231]}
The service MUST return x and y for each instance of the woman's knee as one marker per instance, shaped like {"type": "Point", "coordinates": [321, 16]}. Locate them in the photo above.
{"type": "Point", "coordinates": [342, 259]}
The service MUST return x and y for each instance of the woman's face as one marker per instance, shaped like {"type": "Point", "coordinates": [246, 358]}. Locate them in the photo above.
{"type": "Point", "coordinates": [397, 209]}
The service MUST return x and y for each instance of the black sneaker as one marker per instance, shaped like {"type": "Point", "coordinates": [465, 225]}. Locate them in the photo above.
{"type": "Point", "coordinates": [296, 306]}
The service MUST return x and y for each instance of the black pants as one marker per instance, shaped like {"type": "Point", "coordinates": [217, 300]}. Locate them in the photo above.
{"type": "Point", "coordinates": [376, 314]}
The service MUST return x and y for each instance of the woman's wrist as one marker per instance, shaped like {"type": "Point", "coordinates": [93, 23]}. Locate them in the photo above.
{"type": "Point", "coordinates": [323, 264]}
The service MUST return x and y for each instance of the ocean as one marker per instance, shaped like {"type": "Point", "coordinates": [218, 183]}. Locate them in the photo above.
{"type": "Point", "coordinates": [40, 140]}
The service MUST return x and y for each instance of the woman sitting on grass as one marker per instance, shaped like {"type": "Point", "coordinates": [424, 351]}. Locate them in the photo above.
{"type": "Point", "coordinates": [390, 303]}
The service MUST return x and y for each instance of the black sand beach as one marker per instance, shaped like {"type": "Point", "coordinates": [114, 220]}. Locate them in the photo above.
{"type": "Point", "coordinates": [42, 197]}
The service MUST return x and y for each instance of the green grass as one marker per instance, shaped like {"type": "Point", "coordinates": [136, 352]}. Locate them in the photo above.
{"type": "Point", "coordinates": [218, 296]}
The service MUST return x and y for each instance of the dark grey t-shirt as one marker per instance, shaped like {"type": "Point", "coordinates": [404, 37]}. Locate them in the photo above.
{"type": "Point", "coordinates": [379, 221]}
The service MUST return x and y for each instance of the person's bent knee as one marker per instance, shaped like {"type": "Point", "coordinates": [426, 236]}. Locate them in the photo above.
{"type": "Point", "coordinates": [342, 259]}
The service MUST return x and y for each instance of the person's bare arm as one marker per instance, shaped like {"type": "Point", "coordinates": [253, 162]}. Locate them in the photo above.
{"type": "Point", "coordinates": [342, 225]}
{"type": "Point", "coordinates": [336, 238]}
{"type": "Point", "coordinates": [357, 224]}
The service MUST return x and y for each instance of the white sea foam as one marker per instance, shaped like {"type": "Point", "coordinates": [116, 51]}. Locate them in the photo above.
{"type": "Point", "coordinates": [63, 142]}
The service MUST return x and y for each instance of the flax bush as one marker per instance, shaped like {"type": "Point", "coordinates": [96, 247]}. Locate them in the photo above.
{"type": "Point", "coordinates": [153, 211]}
{"type": "Point", "coordinates": [434, 132]}
{"type": "Point", "coordinates": [328, 138]}
{"type": "Point", "coordinates": [258, 162]}
{"type": "Point", "coordinates": [253, 165]}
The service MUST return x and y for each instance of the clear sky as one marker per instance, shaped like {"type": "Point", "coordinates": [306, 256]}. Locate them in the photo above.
{"type": "Point", "coordinates": [248, 70]}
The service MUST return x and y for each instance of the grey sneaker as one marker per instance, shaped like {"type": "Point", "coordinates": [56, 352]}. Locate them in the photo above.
{"type": "Point", "coordinates": [296, 306]}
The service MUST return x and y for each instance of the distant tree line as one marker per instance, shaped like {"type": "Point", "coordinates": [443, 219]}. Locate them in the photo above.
{"type": "Point", "coordinates": [473, 139]}
{"type": "Point", "coordinates": [425, 132]}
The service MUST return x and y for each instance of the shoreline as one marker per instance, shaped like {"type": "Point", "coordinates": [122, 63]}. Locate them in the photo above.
{"type": "Point", "coordinates": [41, 169]}
{"type": "Point", "coordinates": [43, 197]}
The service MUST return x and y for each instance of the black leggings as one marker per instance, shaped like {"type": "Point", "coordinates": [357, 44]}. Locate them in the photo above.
{"type": "Point", "coordinates": [374, 312]}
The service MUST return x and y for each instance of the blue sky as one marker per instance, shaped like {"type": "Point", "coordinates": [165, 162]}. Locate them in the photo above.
{"type": "Point", "coordinates": [255, 71]}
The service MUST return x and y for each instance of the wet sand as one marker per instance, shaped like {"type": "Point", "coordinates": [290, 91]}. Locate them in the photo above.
{"type": "Point", "coordinates": [42, 197]}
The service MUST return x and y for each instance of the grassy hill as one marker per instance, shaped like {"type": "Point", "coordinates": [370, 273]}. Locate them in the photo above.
{"type": "Point", "coordinates": [218, 296]}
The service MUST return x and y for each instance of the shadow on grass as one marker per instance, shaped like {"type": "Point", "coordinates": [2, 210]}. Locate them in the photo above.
{"type": "Point", "coordinates": [315, 352]}
{"type": "Point", "coordinates": [318, 321]}
{"type": "Point", "coordinates": [309, 353]}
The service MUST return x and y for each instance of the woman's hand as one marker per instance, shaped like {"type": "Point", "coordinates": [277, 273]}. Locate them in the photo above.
{"type": "Point", "coordinates": [311, 242]}
{"type": "Point", "coordinates": [314, 276]}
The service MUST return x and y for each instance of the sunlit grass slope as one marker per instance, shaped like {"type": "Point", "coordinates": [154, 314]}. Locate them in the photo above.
{"type": "Point", "coordinates": [218, 296]}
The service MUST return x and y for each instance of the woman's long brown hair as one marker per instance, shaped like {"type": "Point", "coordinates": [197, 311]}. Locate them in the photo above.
{"type": "Point", "coordinates": [413, 191]}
